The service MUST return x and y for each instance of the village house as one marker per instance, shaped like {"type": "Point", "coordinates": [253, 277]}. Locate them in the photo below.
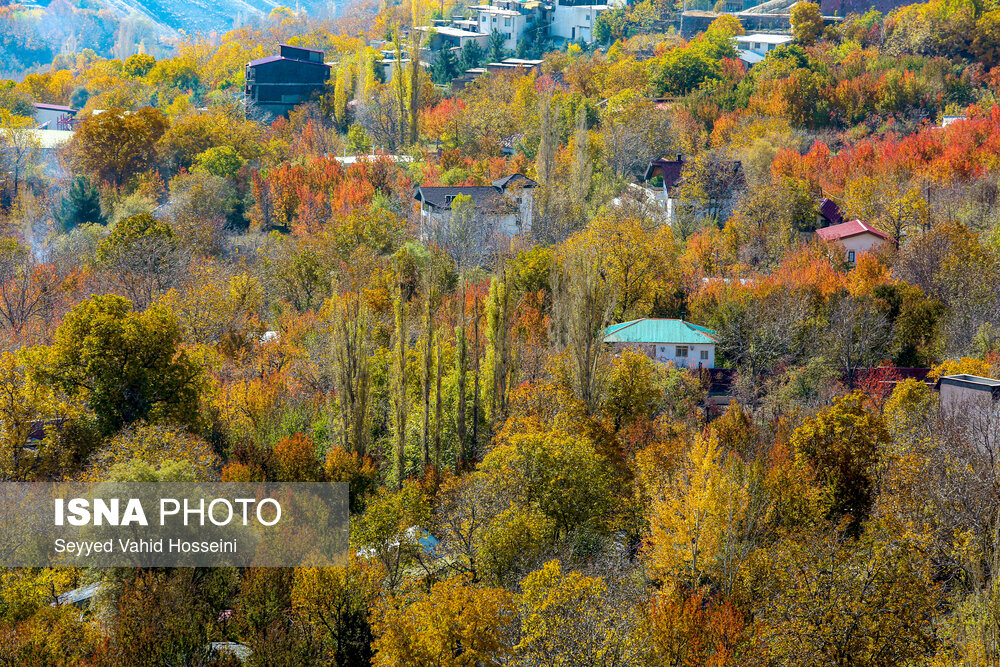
{"type": "Point", "coordinates": [277, 84]}
{"type": "Point", "coordinates": [828, 213]}
{"type": "Point", "coordinates": [506, 206]}
{"type": "Point", "coordinates": [510, 18]}
{"type": "Point", "coordinates": [678, 342]}
{"type": "Point", "coordinates": [574, 20]}
{"type": "Point", "coordinates": [754, 47]}
{"type": "Point", "coordinates": [855, 236]}
{"type": "Point", "coordinates": [54, 117]}
{"type": "Point", "coordinates": [664, 177]}
{"type": "Point", "coordinates": [435, 38]}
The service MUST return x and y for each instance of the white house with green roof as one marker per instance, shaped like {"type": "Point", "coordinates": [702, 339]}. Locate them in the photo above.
{"type": "Point", "coordinates": [665, 340]}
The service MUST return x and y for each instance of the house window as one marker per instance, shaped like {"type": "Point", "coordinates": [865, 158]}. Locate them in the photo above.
{"type": "Point", "coordinates": [506, 22]}
{"type": "Point", "coordinates": [850, 256]}
{"type": "Point", "coordinates": [448, 199]}
{"type": "Point", "coordinates": [704, 355]}
{"type": "Point", "coordinates": [681, 351]}
{"type": "Point", "coordinates": [494, 19]}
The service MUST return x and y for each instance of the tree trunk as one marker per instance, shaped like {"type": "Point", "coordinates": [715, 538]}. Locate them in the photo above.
{"type": "Point", "coordinates": [428, 358]}
{"type": "Point", "coordinates": [460, 353]}
{"type": "Point", "coordinates": [437, 409]}
{"type": "Point", "coordinates": [475, 377]}
{"type": "Point", "coordinates": [400, 448]}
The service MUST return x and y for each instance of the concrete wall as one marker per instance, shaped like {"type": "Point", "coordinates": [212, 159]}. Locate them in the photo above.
{"type": "Point", "coordinates": [859, 245]}
{"type": "Point", "coordinates": [667, 353]}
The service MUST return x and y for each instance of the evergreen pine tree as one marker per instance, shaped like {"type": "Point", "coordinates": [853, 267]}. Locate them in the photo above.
{"type": "Point", "coordinates": [496, 51]}
{"type": "Point", "coordinates": [446, 68]}
{"type": "Point", "coordinates": [472, 55]}
{"type": "Point", "coordinates": [81, 205]}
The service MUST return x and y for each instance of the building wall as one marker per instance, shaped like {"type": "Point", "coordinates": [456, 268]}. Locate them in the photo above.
{"type": "Point", "coordinates": [668, 353]}
{"type": "Point", "coordinates": [510, 224]}
{"type": "Point", "coordinates": [278, 86]}
{"type": "Point", "coordinates": [859, 245]}
{"type": "Point", "coordinates": [575, 23]}
{"type": "Point", "coordinates": [955, 399]}
{"type": "Point", "coordinates": [57, 120]}
{"type": "Point", "coordinates": [512, 27]}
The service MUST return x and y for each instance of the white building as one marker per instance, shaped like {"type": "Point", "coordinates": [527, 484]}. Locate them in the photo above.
{"type": "Point", "coordinates": [442, 36]}
{"type": "Point", "coordinates": [54, 116]}
{"type": "Point", "coordinates": [511, 24]}
{"type": "Point", "coordinates": [665, 340]}
{"type": "Point", "coordinates": [962, 393]}
{"type": "Point", "coordinates": [575, 22]}
{"type": "Point", "coordinates": [754, 47]}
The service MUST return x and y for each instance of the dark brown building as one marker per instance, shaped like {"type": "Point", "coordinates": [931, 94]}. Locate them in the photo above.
{"type": "Point", "coordinates": [276, 84]}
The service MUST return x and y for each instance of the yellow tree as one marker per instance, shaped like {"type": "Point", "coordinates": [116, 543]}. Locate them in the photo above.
{"type": "Point", "coordinates": [455, 624]}
{"type": "Point", "coordinates": [18, 146]}
{"type": "Point", "coordinates": [699, 523]}
{"type": "Point", "coordinates": [335, 601]}
{"type": "Point", "coordinates": [25, 406]}
{"type": "Point", "coordinates": [571, 619]}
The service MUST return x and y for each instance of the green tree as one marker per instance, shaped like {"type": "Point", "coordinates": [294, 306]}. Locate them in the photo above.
{"type": "Point", "coordinates": [80, 206]}
{"type": "Point", "coordinates": [682, 70]}
{"type": "Point", "coordinates": [472, 55]}
{"type": "Point", "coordinates": [219, 161]}
{"type": "Point", "coordinates": [561, 475]}
{"type": "Point", "coordinates": [446, 67]}
{"type": "Point", "coordinates": [127, 366]}
{"type": "Point", "coordinates": [138, 65]}
{"type": "Point", "coordinates": [495, 50]}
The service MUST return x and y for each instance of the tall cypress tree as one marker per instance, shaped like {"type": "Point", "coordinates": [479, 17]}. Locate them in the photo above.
{"type": "Point", "coordinates": [80, 206]}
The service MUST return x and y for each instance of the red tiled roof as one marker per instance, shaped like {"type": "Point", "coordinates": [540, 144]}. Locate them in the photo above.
{"type": "Point", "coordinates": [848, 229]}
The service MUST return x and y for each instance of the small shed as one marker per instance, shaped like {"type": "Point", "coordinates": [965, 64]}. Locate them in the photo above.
{"type": "Point", "coordinates": [962, 392]}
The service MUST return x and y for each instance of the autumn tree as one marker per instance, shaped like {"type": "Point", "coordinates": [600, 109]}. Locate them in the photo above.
{"type": "Point", "coordinates": [879, 599]}
{"type": "Point", "coordinates": [28, 289]}
{"type": "Point", "coordinates": [561, 475]}
{"type": "Point", "coordinates": [19, 148]}
{"type": "Point", "coordinates": [583, 304]}
{"type": "Point", "coordinates": [568, 618]}
{"type": "Point", "coordinates": [141, 253]}
{"type": "Point", "coordinates": [351, 343]}
{"type": "Point", "coordinates": [807, 22]}
{"type": "Point", "coordinates": [118, 144]}
{"type": "Point", "coordinates": [336, 601]}
{"type": "Point", "coordinates": [842, 446]}
{"type": "Point", "coordinates": [454, 624]}
{"type": "Point", "coordinates": [703, 526]}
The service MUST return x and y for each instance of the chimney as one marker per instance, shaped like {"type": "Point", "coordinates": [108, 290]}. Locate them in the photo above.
{"type": "Point", "coordinates": [680, 157]}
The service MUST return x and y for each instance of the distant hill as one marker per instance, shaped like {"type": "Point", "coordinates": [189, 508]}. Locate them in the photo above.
{"type": "Point", "coordinates": [33, 32]}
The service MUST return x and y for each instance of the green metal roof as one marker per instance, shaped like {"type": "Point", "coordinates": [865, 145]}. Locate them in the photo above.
{"type": "Point", "coordinates": [649, 330]}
